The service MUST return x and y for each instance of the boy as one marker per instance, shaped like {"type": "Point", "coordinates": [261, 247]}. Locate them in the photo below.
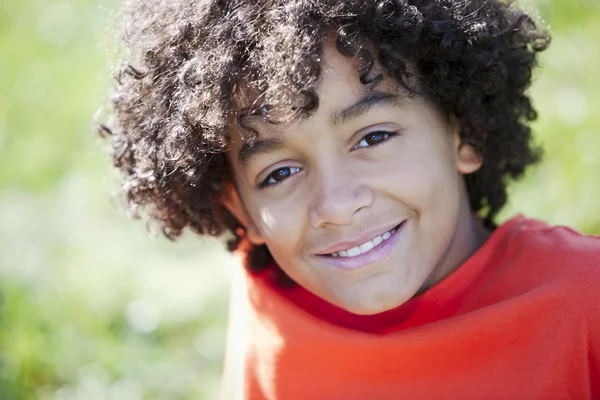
{"type": "Point", "coordinates": [358, 151]}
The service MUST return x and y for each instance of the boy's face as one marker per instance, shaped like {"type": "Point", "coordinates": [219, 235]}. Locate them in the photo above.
{"type": "Point", "coordinates": [362, 203]}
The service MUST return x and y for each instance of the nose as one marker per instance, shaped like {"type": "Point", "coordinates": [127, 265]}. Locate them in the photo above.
{"type": "Point", "coordinates": [338, 195]}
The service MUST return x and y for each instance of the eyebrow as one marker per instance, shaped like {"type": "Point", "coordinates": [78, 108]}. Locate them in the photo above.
{"type": "Point", "coordinates": [366, 103]}
{"type": "Point", "coordinates": [259, 146]}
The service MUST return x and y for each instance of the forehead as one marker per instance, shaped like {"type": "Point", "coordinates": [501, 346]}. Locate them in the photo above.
{"type": "Point", "coordinates": [337, 88]}
{"type": "Point", "coordinates": [342, 98]}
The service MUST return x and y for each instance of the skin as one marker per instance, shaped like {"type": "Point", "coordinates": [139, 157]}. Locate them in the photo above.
{"type": "Point", "coordinates": [334, 185]}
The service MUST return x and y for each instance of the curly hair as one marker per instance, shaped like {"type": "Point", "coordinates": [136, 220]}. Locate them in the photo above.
{"type": "Point", "coordinates": [185, 63]}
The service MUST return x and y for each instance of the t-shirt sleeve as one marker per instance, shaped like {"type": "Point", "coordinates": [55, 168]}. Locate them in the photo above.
{"type": "Point", "coordinates": [590, 301]}
{"type": "Point", "coordinates": [577, 258]}
{"type": "Point", "coordinates": [594, 331]}
{"type": "Point", "coordinates": [232, 382]}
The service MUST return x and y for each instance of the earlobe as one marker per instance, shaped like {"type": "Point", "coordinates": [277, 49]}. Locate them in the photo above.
{"type": "Point", "coordinates": [232, 202]}
{"type": "Point", "coordinates": [254, 235]}
{"type": "Point", "coordinates": [468, 159]}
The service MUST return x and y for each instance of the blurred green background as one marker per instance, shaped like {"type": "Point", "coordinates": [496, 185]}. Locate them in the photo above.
{"type": "Point", "coordinates": [91, 306]}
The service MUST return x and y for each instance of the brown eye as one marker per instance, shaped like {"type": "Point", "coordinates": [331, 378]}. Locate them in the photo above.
{"type": "Point", "coordinates": [374, 138]}
{"type": "Point", "coordinates": [279, 175]}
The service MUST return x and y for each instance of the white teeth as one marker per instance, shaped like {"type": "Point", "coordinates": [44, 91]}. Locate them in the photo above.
{"type": "Point", "coordinates": [363, 248]}
{"type": "Point", "coordinates": [353, 252]}
{"type": "Point", "coordinates": [377, 240]}
{"type": "Point", "coordinates": [366, 247]}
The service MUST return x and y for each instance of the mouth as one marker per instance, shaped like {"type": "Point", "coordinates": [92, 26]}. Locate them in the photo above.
{"type": "Point", "coordinates": [367, 246]}
{"type": "Point", "coordinates": [369, 252]}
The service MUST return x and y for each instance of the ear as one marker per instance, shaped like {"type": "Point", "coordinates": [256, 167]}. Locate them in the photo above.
{"type": "Point", "coordinates": [468, 159]}
{"type": "Point", "coordinates": [232, 202]}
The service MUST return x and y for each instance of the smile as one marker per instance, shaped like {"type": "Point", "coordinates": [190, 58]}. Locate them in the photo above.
{"type": "Point", "coordinates": [370, 252]}
{"type": "Point", "coordinates": [367, 246]}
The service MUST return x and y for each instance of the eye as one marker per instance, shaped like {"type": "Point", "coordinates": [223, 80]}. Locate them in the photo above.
{"type": "Point", "coordinates": [374, 138]}
{"type": "Point", "coordinates": [278, 176]}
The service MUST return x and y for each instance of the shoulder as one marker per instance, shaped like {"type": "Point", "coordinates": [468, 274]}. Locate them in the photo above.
{"type": "Point", "coordinates": [528, 254]}
{"type": "Point", "coordinates": [570, 251]}
{"type": "Point", "coordinates": [556, 256]}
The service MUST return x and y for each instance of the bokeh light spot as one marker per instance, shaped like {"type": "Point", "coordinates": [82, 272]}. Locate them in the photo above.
{"type": "Point", "coordinates": [58, 23]}
{"type": "Point", "coordinates": [572, 106]}
{"type": "Point", "coordinates": [143, 316]}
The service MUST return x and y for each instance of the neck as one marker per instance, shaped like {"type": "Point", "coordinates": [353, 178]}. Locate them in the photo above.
{"type": "Point", "coordinates": [470, 235]}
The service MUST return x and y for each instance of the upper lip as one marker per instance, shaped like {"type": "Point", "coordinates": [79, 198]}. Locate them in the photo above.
{"type": "Point", "coordinates": [363, 238]}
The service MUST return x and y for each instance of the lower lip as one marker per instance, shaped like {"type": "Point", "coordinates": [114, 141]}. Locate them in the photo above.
{"type": "Point", "coordinates": [372, 256]}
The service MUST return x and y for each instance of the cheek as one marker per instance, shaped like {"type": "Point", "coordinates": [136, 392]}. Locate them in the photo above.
{"type": "Point", "coordinates": [419, 176]}
{"type": "Point", "coordinates": [280, 223]}
{"type": "Point", "coordinates": [267, 221]}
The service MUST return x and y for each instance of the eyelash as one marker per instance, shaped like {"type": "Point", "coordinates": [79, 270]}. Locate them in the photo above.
{"type": "Point", "coordinates": [265, 183]}
{"type": "Point", "coordinates": [388, 135]}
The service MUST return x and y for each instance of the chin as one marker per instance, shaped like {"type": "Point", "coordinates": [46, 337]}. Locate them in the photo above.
{"type": "Point", "coordinates": [367, 311]}
{"type": "Point", "coordinates": [372, 309]}
{"type": "Point", "coordinates": [381, 302]}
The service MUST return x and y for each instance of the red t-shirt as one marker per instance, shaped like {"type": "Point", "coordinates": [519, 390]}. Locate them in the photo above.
{"type": "Point", "coordinates": [520, 319]}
